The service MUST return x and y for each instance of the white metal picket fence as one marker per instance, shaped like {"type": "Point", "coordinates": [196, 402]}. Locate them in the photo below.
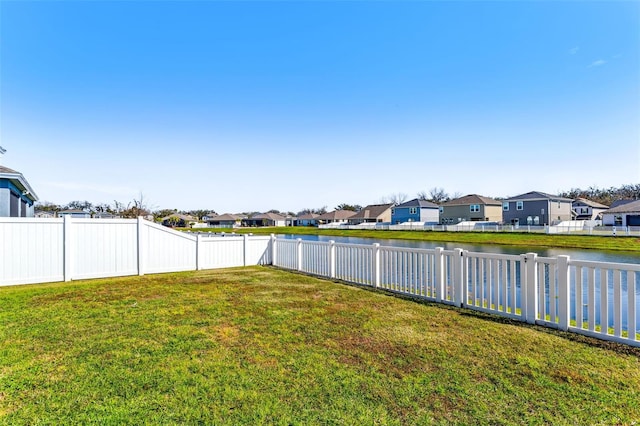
{"type": "Point", "coordinates": [35, 250]}
{"type": "Point", "coordinates": [598, 299]}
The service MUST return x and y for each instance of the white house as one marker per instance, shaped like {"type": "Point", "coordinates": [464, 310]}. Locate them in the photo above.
{"type": "Point", "coordinates": [584, 209]}
{"type": "Point", "coordinates": [623, 215]}
{"type": "Point", "coordinates": [16, 195]}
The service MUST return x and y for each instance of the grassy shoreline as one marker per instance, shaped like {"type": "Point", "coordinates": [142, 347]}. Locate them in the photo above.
{"type": "Point", "coordinates": [588, 242]}
{"type": "Point", "coordinates": [263, 346]}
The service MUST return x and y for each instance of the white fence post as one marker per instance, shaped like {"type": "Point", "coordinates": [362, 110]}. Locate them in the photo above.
{"type": "Point", "coordinates": [67, 247]}
{"type": "Point", "coordinates": [439, 275]}
{"type": "Point", "coordinates": [332, 259]}
{"type": "Point", "coordinates": [529, 286]}
{"type": "Point", "coordinates": [273, 250]}
{"type": "Point", "coordinates": [299, 254]}
{"type": "Point", "coordinates": [564, 301]}
{"type": "Point", "coordinates": [141, 245]}
{"type": "Point", "coordinates": [198, 252]}
{"type": "Point", "coordinates": [245, 249]}
{"type": "Point", "coordinates": [376, 264]}
{"type": "Point", "coordinates": [458, 278]}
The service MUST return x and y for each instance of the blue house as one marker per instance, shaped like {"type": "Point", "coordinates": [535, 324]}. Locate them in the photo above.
{"type": "Point", "coordinates": [415, 211]}
{"type": "Point", "coordinates": [16, 195]}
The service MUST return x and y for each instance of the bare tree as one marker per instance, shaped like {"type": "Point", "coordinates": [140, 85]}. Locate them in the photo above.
{"type": "Point", "coordinates": [438, 195]}
{"type": "Point", "coordinates": [397, 198]}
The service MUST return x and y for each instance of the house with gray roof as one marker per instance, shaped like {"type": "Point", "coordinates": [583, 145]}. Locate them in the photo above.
{"type": "Point", "coordinates": [75, 213]}
{"type": "Point", "coordinates": [265, 219]}
{"type": "Point", "coordinates": [470, 208]}
{"type": "Point", "coordinates": [307, 219]}
{"type": "Point", "coordinates": [416, 211]}
{"type": "Point", "coordinates": [336, 216]}
{"type": "Point", "coordinates": [373, 213]}
{"type": "Point", "coordinates": [224, 221]}
{"type": "Point", "coordinates": [584, 209]}
{"type": "Point", "coordinates": [626, 214]}
{"type": "Point", "coordinates": [536, 208]}
{"type": "Point", "coordinates": [16, 195]}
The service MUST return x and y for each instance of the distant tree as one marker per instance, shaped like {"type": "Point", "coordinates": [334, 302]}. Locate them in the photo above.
{"type": "Point", "coordinates": [159, 214]}
{"type": "Point", "coordinates": [80, 205]}
{"type": "Point", "coordinates": [102, 208]}
{"type": "Point", "coordinates": [397, 198]}
{"type": "Point", "coordinates": [321, 210]}
{"type": "Point", "coordinates": [47, 206]}
{"type": "Point", "coordinates": [139, 206]}
{"type": "Point", "coordinates": [423, 196]}
{"type": "Point", "coordinates": [274, 211]}
{"type": "Point", "coordinates": [199, 214]}
{"type": "Point", "coordinates": [350, 207]}
{"type": "Point", "coordinates": [604, 196]}
{"type": "Point", "coordinates": [438, 195]}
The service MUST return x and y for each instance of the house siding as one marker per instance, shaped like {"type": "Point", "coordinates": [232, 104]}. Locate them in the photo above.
{"type": "Point", "coordinates": [24, 206]}
{"type": "Point", "coordinates": [549, 212]}
{"type": "Point", "coordinates": [455, 214]}
{"type": "Point", "coordinates": [423, 214]}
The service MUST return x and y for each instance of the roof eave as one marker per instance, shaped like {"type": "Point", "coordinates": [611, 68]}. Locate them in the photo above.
{"type": "Point", "coordinates": [21, 183]}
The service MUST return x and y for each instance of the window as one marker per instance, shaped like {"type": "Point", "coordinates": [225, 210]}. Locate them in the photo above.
{"type": "Point", "coordinates": [393, 211]}
{"type": "Point", "coordinates": [441, 209]}
{"type": "Point", "coordinates": [505, 206]}
{"type": "Point", "coordinates": [474, 207]}
{"type": "Point", "coordinates": [413, 210]}
{"type": "Point", "coordinates": [519, 205]}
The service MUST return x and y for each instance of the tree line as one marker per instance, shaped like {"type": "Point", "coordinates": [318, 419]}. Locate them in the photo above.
{"type": "Point", "coordinates": [140, 206]}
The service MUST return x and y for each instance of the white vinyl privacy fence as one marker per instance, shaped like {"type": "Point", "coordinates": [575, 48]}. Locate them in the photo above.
{"type": "Point", "coordinates": [593, 298]}
{"type": "Point", "coordinates": [34, 250]}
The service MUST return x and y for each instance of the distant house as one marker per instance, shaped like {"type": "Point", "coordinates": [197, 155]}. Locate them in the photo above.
{"type": "Point", "coordinates": [178, 220]}
{"type": "Point", "coordinates": [416, 211]}
{"type": "Point", "coordinates": [307, 219]}
{"type": "Point", "coordinates": [536, 208]}
{"type": "Point", "coordinates": [42, 214]}
{"type": "Point", "coordinates": [105, 215]}
{"type": "Point", "coordinates": [224, 221]}
{"type": "Point", "coordinates": [336, 216]}
{"type": "Point", "coordinates": [624, 214]}
{"type": "Point", "coordinates": [473, 207]}
{"type": "Point", "coordinates": [373, 213]}
{"type": "Point", "coordinates": [75, 213]}
{"type": "Point", "coordinates": [265, 219]}
{"type": "Point", "coordinates": [16, 195]}
{"type": "Point", "coordinates": [584, 209]}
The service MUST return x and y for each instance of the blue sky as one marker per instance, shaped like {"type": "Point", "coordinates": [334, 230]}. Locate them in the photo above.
{"type": "Point", "coordinates": [243, 106]}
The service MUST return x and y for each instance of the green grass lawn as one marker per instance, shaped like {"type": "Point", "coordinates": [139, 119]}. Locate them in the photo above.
{"type": "Point", "coordinates": [263, 346]}
{"type": "Point", "coordinates": [631, 244]}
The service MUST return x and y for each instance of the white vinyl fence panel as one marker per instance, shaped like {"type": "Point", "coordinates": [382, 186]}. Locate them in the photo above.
{"type": "Point", "coordinates": [31, 251]}
{"type": "Point", "coordinates": [103, 248]}
{"type": "Point", "coordinates": [36, 250]}
{"type": "Point", "coordinates": [166, 250]}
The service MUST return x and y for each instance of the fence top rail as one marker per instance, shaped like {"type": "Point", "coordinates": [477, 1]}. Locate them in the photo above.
{"type": "Point", "coordinates": [547, 260]}
{"type": "Point", "coordinates": [632, 267]}
{"type": "Point", "coordinates": [407, 249]}
{"type": "Point", "coordinates": [496, 256]}
{"type": "Point", "coordinates": [31, 220]}
{"type": "Point", "coordinates": [349, 245]}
